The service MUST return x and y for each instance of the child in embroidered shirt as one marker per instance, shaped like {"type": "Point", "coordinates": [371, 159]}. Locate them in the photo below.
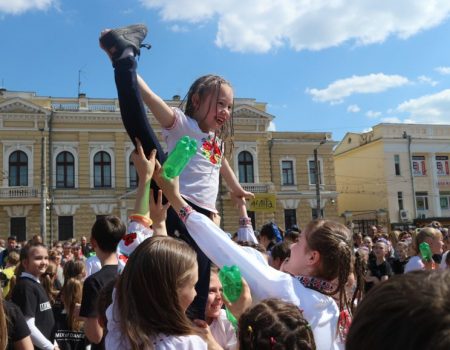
{"type": "Point", "coordinates": [206, 118]}
{"type": "Point", "coordinates": [322, 255]}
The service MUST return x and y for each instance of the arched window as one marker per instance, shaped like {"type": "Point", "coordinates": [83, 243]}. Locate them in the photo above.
{"type": "Point", "coordinates": [18, 169]}
{"type": "Point", "coordinates": [133, 174]}
{"type": "Point", "coordinates": [65, 170]}
{"type": "Point", "coordinates": [102, 169]}
{"type": "Point", "coordinates": [245, 162]}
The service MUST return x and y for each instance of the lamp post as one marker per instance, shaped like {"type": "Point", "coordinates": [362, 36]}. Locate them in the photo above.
{"type": "Point", "coordinates": [317, 176]}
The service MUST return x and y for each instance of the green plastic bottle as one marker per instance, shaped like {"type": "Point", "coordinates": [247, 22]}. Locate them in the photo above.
{"type": "Point", "coordinates": [177, 160]}
{"type": "Point", "coordinates": [231, 280]}
{"type": "Point", "coordinates": [425, 251]}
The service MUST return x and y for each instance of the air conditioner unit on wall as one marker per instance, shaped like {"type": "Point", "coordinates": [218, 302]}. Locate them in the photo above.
{"type": "Point", "coordinates": [404, 216]}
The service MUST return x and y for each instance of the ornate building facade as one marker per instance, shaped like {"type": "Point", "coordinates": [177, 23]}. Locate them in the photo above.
{"type": "Point", "coordinates": [65, 161]}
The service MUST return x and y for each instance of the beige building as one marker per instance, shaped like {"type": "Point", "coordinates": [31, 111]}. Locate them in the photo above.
{"type": "Point", "coordinates": [395, 175]}
{"type": "Point", "coordinates": [65, 161]}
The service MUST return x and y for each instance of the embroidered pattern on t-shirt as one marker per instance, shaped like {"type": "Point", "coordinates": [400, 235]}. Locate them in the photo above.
{"type": "Point", "coordinates": [211, 149]}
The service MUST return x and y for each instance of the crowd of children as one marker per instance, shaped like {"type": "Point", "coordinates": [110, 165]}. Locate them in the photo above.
{"type": "Point", "coordinates": [154, 283]}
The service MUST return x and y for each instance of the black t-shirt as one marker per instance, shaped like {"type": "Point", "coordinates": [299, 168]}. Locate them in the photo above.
{"type": "Point", "coordinates": [17, 326]}
{"type": "Point", "coordinates": [384, 269]}
{"type": "Point", "coordinates": [91, 289]}
{"type": "Point", "coordinates": [67, 339]}
{"type": "Point", "coordinates": [33, 301]}
{"type": "Point", "coordinates": [398, 267]}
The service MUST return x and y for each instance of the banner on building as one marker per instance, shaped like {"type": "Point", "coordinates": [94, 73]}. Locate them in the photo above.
{"type": "Point", "coordinates": [263, 202]}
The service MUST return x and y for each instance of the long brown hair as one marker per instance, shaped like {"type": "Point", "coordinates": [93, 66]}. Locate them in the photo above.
{"type": "Point", "coordinates": [47, 280]}
{"type": "Point", "coordinates": [333, 242]}
{"type": "Point", "coordinates": [147, 292]}
{"type": "Point", "coordinates": [71, 294]}
{"type": "Point", "coordinates": [203, 87]}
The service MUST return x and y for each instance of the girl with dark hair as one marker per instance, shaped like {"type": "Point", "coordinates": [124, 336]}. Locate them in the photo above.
{"type": "Point", "coordinates": [273, 324]}
{"type": "Point", "coordinates": [319, 266]}
{"type": "Point", "coordinates": [207, 119]}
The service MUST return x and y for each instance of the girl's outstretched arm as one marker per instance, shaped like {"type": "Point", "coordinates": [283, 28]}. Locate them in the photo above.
{"type": "Point", "coordinates": [232, 182]}
{"type": "Point", "coordinates": [160, 109]}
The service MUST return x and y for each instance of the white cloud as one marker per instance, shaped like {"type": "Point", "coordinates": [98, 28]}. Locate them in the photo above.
{"type": "Point", "coordinates": [426, 80]}
{"type": "Point", "coordinates": [443, 70]}
{"type": "Point", "coordinates": [430, 109]}
{"type": "Point", "coordinates": [263, 25]}
{"type": "Point", "coordinates": [272, 126]}
{"type": "Point", "coordinates": [373, 114]}
{"type": "Point", "coordinates": [391, 120]}
{"type": "Point", "coordinates": [367, 84]}
{"type": "Point", "coordinates": [16, 7]}
{"type": "Point", "coordinates": [353, 109]}
{"type": "Point", "coordinates": [178, 29]}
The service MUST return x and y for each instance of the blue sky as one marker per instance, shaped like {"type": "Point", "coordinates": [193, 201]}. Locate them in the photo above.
{"type": "Point", "coordinates": [322, 65]}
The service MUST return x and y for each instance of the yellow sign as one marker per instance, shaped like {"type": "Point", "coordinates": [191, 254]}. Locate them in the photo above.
{"type": "Point", "coordinates": [263, 202]}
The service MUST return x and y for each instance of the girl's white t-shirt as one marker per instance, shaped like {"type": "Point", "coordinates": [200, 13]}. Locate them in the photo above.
{"type": "Point", "coordinates": [223, 332]}
{"type": "Point", "coordinates": [414, 263]}
{"type": "Point", "coordinates": [199, 181]}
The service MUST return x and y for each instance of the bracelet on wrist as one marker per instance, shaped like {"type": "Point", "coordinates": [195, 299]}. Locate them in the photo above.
{"type": "Point", "coordinates": [185, 212]}
{"type": "Point", "coordinates": [245, 221]}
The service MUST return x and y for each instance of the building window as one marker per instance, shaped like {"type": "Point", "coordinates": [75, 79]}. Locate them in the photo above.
{"type": "Point", "coordinates": [397, 164]}
{"type": "Point", "coordinates": [442, 166]}
{"type": "Point", "coordinates": [18, 169]}
{"type": "Point", "coordinates": [290, 218]}
{"type": "Point", "coordinates": [134, 179]}
{"type": "Point", "coordinates": [245, 163]}
{"type": "Point", "coordinates": [287, 167]}
{"type": "Point", "coordinates": [102, 169]}
{"type": "Point", "coordinates": [422, 200]}
{"type": "Point", "coordinates": [400, 200]}
{"type": "Point", "coordinates": [419, 167]}
{"type": "Point", "coordinates": [314, 213]}
{"type": "Point", "coordinates": [65, 170]}
{"type": "Point", "coordinates": [65, 227]}
{"type": "Point", "coordinates": [19, 228]}
{"type": "Point", "coordinates": [312, 172]}
{"type": "Point", "coordinates": [445, 200]}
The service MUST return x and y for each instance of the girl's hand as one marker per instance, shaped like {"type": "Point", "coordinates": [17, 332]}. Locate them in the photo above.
{"type": "Point", "coordinates": [203, 331]}
{"type": "Point", "coordinates": [243, 303]}
{"type": "Point", "coordinates": [144, 166]}
{"type": "Point", "coordinates": [158, 214]}
{"type": "Point", "coordinates": [240, 192]}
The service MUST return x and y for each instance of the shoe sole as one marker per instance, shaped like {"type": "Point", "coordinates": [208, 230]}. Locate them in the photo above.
{"type": "Point", "coordinates": [120, 38]}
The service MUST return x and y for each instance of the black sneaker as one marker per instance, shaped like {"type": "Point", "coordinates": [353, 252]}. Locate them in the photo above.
{"type": "Point", "coordinates": [121, 38]}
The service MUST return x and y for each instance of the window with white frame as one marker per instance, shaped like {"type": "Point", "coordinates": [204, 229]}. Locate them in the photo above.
{"type": "Point", "coordinates": [442, 168]}
{"type": "Point", "coordinates": [287, 170]}
{"type": "Point", "coordinates": [245, 165]}
{"type": "Point", "coordinates": [18, 169]}
{"type": "Point", "coordinates": [102, 169]}
{"type": "Point", "coordinates": [65, 170]}
{"type": "Point", "coordinates": [312, 172]}
{"type": "Point", "coordinates": [400, 200]}
{"type": "Point", "coordinates": [444, 198]}
{"type": "Point", "coordinates": [419, 166]}
{"type": "Point", "coordinates": [133, 176]}
{"type": "Point", "coordinates": [422, 200]}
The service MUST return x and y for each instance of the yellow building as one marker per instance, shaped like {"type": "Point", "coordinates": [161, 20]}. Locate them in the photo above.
{"type": "Point", "coordinates": [396, 175]}
{"type": "Point", "coordinates": [66, 161]}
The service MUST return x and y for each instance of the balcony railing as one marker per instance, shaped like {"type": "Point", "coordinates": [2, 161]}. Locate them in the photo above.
{"type": "Point", "coordinates": [19, 192]}
{"type": "Point", "coordinates": [256, 188]}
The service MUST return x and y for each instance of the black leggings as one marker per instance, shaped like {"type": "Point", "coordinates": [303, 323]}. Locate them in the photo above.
{"type": "Point", "coordinates": [135, 120]}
